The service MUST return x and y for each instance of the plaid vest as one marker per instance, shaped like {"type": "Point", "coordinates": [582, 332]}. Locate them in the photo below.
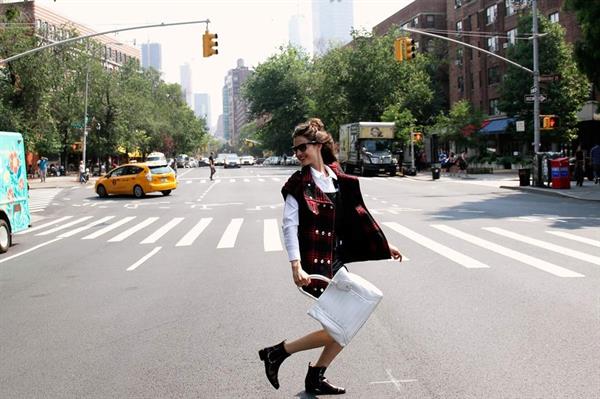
{"type": "Point", "coordinates": [362, 240]}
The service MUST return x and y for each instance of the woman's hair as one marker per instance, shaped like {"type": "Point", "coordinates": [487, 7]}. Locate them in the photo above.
{"type": "Point", "coordinates": [314, 130]}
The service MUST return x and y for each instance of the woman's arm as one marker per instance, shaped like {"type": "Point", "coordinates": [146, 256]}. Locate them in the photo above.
{"type": "Point", "coordinates": [290, 235]}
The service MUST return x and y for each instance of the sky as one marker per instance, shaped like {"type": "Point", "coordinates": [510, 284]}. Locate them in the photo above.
{"type": "Point", "coordinates": [249, 29]}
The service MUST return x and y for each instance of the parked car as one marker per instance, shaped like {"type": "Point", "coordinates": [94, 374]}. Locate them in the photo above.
{"type": "Point", "coordinates": [138, 179]}
{"type": "Point", "coordinates": [192, 163]}
{"type": "Point", "coordinates": [274, 160]}
{"type": "Point", "coordinates": [182, 160]}
{"type": "Point", "coordinates": [220, 159]}
{"type": "Point", "coordinates": [247, 160]}
{"type": "Point", "coordinates": [232, 161]}
{"type": "Point", "coordinates": [202, 161]}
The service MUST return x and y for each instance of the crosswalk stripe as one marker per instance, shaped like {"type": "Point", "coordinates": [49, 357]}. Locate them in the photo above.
{"type": "Point", "coordinates": [189, 238]}
{"type": "Point", "coordinates": [518, 256]}
{"type": "Point", "coordinates": [261, 180]}
{"type": "Point", "coordinates": [132, 230]}
{"type": "Point", "coordinates": [246, 180]}
{"type": "Point", "coordinates": [143, 259]}
{"type": "Point", "coordinates": [272, 241]}
{"type": "Point", "coordinates": [231, 180]}
{"type": "Point", "coordinates": [573, 237]}
{"type": "Point", "coordinates": [64, 226]}
{"type": "Point", "coordinates": [455, 256]}
{"type": "Point", "coordinates": [43, 226]}
{"type": "Point", "coordinates": [545, 245]}
{"type": "Point", "coordinates": [86, 227]}
{"type": "Point", "coordinates": [152, 238]}
{"type": "Point", "coordinates": [230, 235]}
{"type": "Point", "coordinates": [109, 228]}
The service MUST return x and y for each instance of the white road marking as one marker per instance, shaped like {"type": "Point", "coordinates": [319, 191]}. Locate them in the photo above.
{"type": "Point", "coordinates": [455, 256]}
{"type": "Point", "coordinates": [134, 229]}
{"type": "Point", "coordinates": [246, 180]}
{"type": "Point", "coordinates": [393, 380]}
{"type": "Point", "coordinates": [64, 226]}
{"type": "Point", "coordinates": [43, 226]}
{"type": "Point", "coordinates": [108, 228]}
{"type": "Point", "coordinates": [272, 241]}
{"type": "Point", "coordinates": [573, 237]}
{"type": "Point", "coordinates": [545, 245]}
{"type": "Point", "coordinates": [231, 180]}
{"type": "Point", "coordinates": [29, 250]}
{"type": "Point", "coordinates": [189, 238]}
{"type": "Point", "coordinates": [518, 256]}
{"type": "Point", "coordinates": [143, 259]}
{"type": "Point", "coordinates": [152, 238]}
{"type": "Point", "coordinates": [231, 233]}
{"type": "Point", "coordinates": [86, 227]}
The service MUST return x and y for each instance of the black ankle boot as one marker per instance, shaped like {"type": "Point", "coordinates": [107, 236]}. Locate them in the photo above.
{"type": "Point", "coordinates": [316, 383]}
{"type": "Point", "coordinates": [273, 357]}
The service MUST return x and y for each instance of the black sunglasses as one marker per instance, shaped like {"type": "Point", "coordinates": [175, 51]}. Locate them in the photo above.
{"type": "Point", "coordinates": [302, 147]}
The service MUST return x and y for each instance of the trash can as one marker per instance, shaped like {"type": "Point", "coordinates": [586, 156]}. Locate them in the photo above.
{"type": "Point", "coordinates": [560, 173]}
{"type": "Point", "coordinates": [435, 173]}
{"type": "Point", "coordinates": [524, 175]}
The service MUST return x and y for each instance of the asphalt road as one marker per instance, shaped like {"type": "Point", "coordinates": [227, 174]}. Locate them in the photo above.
{"type": "Point", "coordinates": [171, 297]}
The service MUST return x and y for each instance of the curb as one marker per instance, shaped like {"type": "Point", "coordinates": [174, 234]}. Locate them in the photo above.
{"type": "Point", "coordinates": [548, 192]}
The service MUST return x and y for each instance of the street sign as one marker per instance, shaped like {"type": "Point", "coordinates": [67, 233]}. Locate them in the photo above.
{"type": "Point", "coordinates": [531, 98]}
{"type": "Point", "coordinates": [520, 126]}
{"type": "Point", "coordinates": [549, 78]}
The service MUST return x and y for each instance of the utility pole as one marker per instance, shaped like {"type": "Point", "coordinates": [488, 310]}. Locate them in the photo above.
{"type": "Point", "coordinates": [536, 81]}
{"type": "Point", "coordinates": [85, 117]}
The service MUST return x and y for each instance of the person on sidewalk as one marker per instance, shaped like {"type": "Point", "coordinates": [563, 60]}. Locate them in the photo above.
{"type": "Point", "coordinates": [595, 158]}
{"type": "Point", "coordinates": [43, 168]}
{"type": "Point", "coordinates": [579, 163]}
{"type": "Point", "coordinates": [325, 224]}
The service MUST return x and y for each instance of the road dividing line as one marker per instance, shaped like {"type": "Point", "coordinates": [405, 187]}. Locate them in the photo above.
{"type": "Point", "coordinates": [272, 241]}
{"type": "Point", "coordinates": [86, 227]}
{"type": "Point", "coordinates": [545, 245]}
{"type": "Point", "coordinates": [108, 228]}
{"type": "Point", "coordinates": [133, 229]}
{"type": "Point", "coordinates": [152, 238]}
{"type": "Point", "coordinates": [189, 238]}
{"type": "Point", "coordinates": [518, 256]}
{"type": "Point", "coordinates": [64, 226]}
{"type": "Point", "coordinates": [455, 256]}
{"type": "Point", "coordinates": [43, 226]}
{"type": "Point", "coordinates": [143, 259]}
{"type": "Point", "coordinates": [29, 250]}
{"type": "Point", "coordinates": [573, 237]}
{"type": "Point", "coordinates": [230, 235]}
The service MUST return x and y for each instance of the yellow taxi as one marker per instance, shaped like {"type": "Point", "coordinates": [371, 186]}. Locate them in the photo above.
{"type": "Point", "coordinates": [138, 179]}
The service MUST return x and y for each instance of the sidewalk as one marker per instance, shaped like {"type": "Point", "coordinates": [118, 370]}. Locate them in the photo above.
{"type": "Point", "coordinates": [58, 182]}
{"type": "Point", "coordinates": [510, 180]}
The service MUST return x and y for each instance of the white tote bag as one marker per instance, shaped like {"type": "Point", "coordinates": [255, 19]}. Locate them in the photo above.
{"type": "Point", "coordinates": [345, 305]}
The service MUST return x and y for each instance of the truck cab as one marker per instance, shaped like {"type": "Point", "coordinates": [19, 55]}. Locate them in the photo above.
{"type": "Point", "coordinates": [366, 147]}
{"type": "Point", "coordinates": [14, 190]}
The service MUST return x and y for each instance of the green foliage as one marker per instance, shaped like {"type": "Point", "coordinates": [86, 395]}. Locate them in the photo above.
{"type": "Point", "coordinates": [587, 51]}
{"type": "Point", "coordinates": [564, 97]}
{"type": "Point", "coordinates": [460, 124]}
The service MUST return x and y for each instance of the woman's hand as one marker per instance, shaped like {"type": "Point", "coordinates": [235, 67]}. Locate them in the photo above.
{"type": "Point", "coordinates": [395, 253]}
{"type": "Point", "coordinates": [300, 276]}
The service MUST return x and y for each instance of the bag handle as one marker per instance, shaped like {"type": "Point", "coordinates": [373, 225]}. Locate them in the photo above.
{"type": "Point", "coordinates": [316, 277]}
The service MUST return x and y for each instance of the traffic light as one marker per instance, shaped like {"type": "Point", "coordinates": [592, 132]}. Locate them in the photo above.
{"type": "Point", "coordinates": [398, 49]}
{"type": "Point", "coordinates": [209, 44]}
{"type": "Point", "coordinates": [549, 122]}
{"type": "Point", "coordinates": [409, 46]}
{"type": "Point", "coordinates": [417, 136]}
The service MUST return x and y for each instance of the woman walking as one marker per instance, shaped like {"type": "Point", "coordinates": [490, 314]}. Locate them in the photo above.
{"type": "Point", "coordinates": [325, 224]}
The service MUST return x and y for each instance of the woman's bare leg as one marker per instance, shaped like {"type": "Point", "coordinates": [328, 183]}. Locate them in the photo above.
{"type": "Point", "coordinates": [313, 340]}
{"type": "Point", "coordinates": [329, 353]}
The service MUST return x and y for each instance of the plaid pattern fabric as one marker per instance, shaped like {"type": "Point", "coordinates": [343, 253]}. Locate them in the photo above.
{"type": "Point", "coordinates": [362, 238]}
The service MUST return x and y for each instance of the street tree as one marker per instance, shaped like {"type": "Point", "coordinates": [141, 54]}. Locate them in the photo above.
{"type": "Point", "coordinates": [587, 51]}
{"type": "Point", "coordinates": [459, 125]}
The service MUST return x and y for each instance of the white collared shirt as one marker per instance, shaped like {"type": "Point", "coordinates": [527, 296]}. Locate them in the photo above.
{"type": "Point", "coordinates": [291, 218]}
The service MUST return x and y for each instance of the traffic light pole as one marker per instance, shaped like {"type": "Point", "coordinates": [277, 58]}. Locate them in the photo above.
{"type": "Point", "coordinates": [536, 81]}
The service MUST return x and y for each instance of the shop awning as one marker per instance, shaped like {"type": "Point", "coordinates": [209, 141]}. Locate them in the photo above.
{"type": "Point", "coordinates": [496, 126]}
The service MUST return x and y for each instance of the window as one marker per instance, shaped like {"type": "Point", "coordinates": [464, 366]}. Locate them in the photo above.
{"type": "Point", "coordinates": [405, 26]}
{"type": "Point", "coordinates": [510, 8]}
{"type": "Point", "coordinates": [459, 55]}
{"type": "Point", "coordinates": [429, 21]}
{"type": "Point", "coordinates": [493, 75]}
{"type": "Point", "coordinates": [491, 14]}
{"type": "Point", "coordinates": [554, 17]}
{"type": "Point", "coordinates": [460, 83]}
{"type": "Point", "coordinates": [494, 107]}
{"type": "Point", "coordinates": [457, 3]}
{"type": "Point", "coordinates": [459, 26]}
{"type": "Point", "coordinates": [512, 37]}
{"type": "Point", "coordinates": [492, 44]}
{"type": "Point", "coordinates": [415, 21]}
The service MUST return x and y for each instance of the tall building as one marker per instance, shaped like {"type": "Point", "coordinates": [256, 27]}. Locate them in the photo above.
{"type": "Point", "coordinates": [152, 56]}
{"type": "Point", "coordinates": [185, 76]}
{"type": "Point", "coordinates": [235, 108]}
{"type": "Point", "coordinates": [202, 107]}
{"type": "Point", "coordinates": [298, 32]}
{"type": "Point", "coordinates": [332, 23]}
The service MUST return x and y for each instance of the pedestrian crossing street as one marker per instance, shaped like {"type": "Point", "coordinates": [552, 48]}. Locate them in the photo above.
{"type": "Point", "coordinates": [40, 198]}
{"type": "Point", "coordinates": [185, 231]}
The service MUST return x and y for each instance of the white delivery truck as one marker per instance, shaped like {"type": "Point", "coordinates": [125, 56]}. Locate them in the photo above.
{"type": "Point", "coordinates": [366, 147]}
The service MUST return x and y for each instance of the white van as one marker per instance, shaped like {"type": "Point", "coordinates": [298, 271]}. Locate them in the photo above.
{"type": "Point", "coordinates": [156, 158]}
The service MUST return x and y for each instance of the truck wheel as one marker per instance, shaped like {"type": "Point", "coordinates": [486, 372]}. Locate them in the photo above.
{"type": "Point", "coordinates": [5, 237]}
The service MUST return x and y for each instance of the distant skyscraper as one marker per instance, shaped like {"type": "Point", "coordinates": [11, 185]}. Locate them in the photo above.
{"type": "Point", "coordinates": [185, 72]}
{"type": "Point", "coordinates": [332, 22]}
{"type": "Point", "coordinates": [152, 56]}
{"type": "Point", "coordinates": [202, 107]}
{"type": "Point", "coordinates": [235, 107]}
{"type": "Point", "coordinates": [298, 32]}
